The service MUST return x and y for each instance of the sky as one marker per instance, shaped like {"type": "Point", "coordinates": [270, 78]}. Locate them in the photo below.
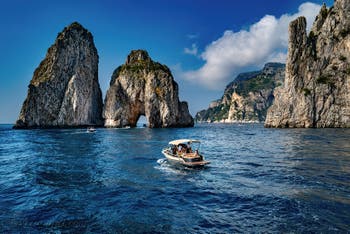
{"type": "Point", "coordinates": [206, 44]}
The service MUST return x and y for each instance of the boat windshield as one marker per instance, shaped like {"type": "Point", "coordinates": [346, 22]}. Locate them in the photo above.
{"type": "Point", "coordinates": [185, 147]}
{"type": "Point", "coordinates": [195, 145]}
{"type": "Point", "coordinates": [183, 141]}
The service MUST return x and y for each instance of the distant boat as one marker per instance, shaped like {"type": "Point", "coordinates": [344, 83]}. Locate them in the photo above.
{"type": "Point", "coordinates": [182, 152]}
{"type": "Point", "coordinates": [90, 129]}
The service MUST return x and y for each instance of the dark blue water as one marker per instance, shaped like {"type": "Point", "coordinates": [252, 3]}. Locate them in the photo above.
{"type": "Point", "coordinates": [116, 181]}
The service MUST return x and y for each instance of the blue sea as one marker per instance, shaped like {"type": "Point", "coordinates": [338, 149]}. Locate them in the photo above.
{"type": "Point", "coordinates": [117, 181]}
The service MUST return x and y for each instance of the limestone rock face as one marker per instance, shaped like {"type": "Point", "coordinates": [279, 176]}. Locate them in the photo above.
{"type": "Point", "coordinates": [247, 98]}
{"type": "Point", "coordinates": [144, 87]}
{"type": "Point", "coordinates": [64, 90]}
{"type": "Point", "coordinates": [317, 83]}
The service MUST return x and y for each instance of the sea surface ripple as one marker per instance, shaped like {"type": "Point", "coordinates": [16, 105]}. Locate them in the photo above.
{"type": "Point", "coordinates": [117, 181]}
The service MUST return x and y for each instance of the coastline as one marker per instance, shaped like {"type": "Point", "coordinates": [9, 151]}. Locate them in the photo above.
{"type": "Point", "coordinates": [225, 121]}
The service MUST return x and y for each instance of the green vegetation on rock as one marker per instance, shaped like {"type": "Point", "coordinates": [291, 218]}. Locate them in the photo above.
{"type": "Point", "coordinates": [255, 85]}
{"type": "Point", "coordinates": [342, 58]}
{"type": "Point", "coordinates": [306, 91]}
{"type": "Point", "coordinates": [325, 79]}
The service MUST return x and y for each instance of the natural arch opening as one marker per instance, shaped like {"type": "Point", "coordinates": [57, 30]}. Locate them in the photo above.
{"type": "Point", "coordinates": [142, 122]}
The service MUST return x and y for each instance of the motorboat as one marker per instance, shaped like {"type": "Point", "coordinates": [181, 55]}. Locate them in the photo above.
{"type": "Point", "coordinates": [91, 129]}
{"type": "Point", "coordinates": [185, 152]}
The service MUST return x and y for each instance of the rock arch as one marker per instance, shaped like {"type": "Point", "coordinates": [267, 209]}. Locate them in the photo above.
{"type": "Point", "coordinates": [144, 87]}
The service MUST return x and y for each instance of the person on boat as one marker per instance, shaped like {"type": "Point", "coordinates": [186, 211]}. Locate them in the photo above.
{"type": "Point", "coordinates": [184, 149]}
{"type": "Point", "coordinates": [189, 149]}
{"type": "Point", "coordinates": [178, 149]}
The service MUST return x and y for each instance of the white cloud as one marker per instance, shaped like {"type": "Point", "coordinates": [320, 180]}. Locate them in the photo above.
{"type": "Point", "coordinates": [192, 51]}
{"type": "Point", "coordinates": [265, 41]}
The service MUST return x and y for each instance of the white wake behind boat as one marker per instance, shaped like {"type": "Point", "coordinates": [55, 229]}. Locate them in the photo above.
{"type": "Point", "coordinates": [185, 152]}
{"type": "Point", "coordinates": [90, 129]}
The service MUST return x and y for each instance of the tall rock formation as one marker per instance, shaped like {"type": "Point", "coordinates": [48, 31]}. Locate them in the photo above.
{"type": "Point", "coordinates": [144, 87]}
{"type": "Point", "coordinates": [316, 90]}
{"type": "Point", "coordinates": [64, 90]}
{"type": "Point", "coordinates": [247, 98]}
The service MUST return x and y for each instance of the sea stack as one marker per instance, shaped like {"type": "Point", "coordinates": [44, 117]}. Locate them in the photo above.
{"type": "Point", "coordinates": [317, 83]}
{"type": "Point", "coordinates": [64, 90]}
{"type": "Point", "coordinates": [144, 87]}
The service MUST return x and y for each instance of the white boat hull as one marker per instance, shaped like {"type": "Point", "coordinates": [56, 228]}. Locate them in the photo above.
{"type": "Point", "coordinates": [180, 160]}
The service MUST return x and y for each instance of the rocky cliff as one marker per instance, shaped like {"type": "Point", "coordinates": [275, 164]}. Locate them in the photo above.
{"type": "Point", "coordinates": [316, 90]}
{"type": "Point", "coordinates": [64, 90]}
{"type": "Point", "coordinates": [144, 87]}
{"type": "Point", "coordinates": [247, 98]}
